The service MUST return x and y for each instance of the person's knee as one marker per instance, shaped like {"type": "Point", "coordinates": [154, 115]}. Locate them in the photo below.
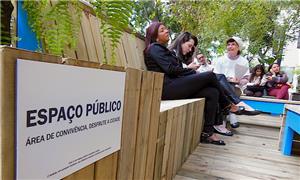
{"type": "Point", "coordinates": [248, 93]}
{"type": "Point", "coordinates": [258, 94]}
{"type": "Point", "coordinates": [211, 75]}
{"type": "Point", "coordinates": [221, 77]}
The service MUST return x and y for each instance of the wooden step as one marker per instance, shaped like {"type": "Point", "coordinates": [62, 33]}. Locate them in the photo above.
{"type": "Point", "coordinates": [261, 120]}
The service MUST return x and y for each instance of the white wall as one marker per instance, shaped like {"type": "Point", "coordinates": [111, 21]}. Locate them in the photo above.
{"type": "Point", "coordinates": [292, 55]}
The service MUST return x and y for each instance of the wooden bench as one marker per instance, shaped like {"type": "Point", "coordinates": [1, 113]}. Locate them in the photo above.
{"type": "Point", "coordinates": [157, 136]}
{"type": "Point", "coordinates": [268, 105]}
{"type": "Point", "coordinates": [290, 125]}
{"type": "Point", "coordinates": [180, 125]}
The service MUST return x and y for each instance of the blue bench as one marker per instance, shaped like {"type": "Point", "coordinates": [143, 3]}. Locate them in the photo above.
{"type": "Point", "coordinates": [268, 105]}
{"type": "Point", "coordinates": [290, 125]}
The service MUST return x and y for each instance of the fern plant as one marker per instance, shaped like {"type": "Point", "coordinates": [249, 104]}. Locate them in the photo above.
{"type": "Point", "coordinates": [115, 17]}
{"type": "Point", "coordinates": [57, 25]}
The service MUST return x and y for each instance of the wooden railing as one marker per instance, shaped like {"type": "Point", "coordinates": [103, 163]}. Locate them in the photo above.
{"type": "Point", "coordinates": [157, 136]}
{"type": "Point", "coordinates": [155, 140]}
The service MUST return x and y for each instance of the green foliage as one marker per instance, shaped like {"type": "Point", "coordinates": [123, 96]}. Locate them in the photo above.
{"type": "Point", "coordinates": [259, 22]}
{"type": "Point", "coordinates": [115, 17]}
{"type": "Point", "coordinates": [146, 11]}
{"type": "Point", "coordinates": [57, 26]}
{"type": "Point", "coordinates": [297, 70]}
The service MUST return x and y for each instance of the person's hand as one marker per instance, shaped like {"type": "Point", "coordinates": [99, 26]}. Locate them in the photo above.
{"type": "Point", "coordinates": [269, 78]}
{"type": "Point", "coordinates": [233, 80]}
{"type": "Point", "coordinates": [193, 66]}
{"type": "Point", "coordinates": [272, 72]}
{"type": "Point", "coordinates": [289, 84]}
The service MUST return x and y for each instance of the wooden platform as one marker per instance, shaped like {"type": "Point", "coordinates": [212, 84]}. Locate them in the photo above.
{"type": "Point", "coordinates": [252, 153]}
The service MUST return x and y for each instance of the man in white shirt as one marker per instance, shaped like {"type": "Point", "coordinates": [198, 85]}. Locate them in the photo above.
{"type": "Point", "coordinates": [204, 66]}
{"type": "Point", "coordinates": [234, 67]}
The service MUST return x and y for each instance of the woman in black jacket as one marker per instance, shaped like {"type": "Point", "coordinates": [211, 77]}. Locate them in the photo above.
{"type": "Point", "coordinates": [183, 83]}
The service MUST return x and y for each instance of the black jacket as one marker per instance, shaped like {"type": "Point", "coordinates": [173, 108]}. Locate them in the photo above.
{"type": "Point", "coordinates": [160, 59]}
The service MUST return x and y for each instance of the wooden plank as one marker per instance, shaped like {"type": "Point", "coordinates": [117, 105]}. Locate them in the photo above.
{"type": "Point", "coordinates": [188, 131]}
{"type": "Point", "coordinates": [166, 156]}
{"type": "Point", "coordinates": [154, 122]}
{"type": "Point", "coordinates": [197, 122]}
{"type": "Point", "coordinates": [86, 173]}
{"type": "Point", "coordinates": [169, 104]}
{"type": "Point", "coordinates": [200, 124]}
{"type": "Point", "coordinates": [160, 145]}
{"type": "Point", "coordinates": [294, 108]}
{"type": "Point", "coordinates": [262, 120]}
{"type": "Point", "coordinates": [68, 52]}
{"type": "Point", "coordinates": [129, 124]}
{"type": "Point", "coordinates": [180, 136]}
{"type": "Point", "coordinates": [143, 125]}
{"type": "Point", "coordinates": [130, 50]}
{"type": "Point", "coordinates": [172, 142]}
{"type": "Point", "coordinates": [120, 53]}
{"type": "Point", "coordinates": [270, 100]}
{"type": "Point", "coordinates": [95, 29]}
{"type": "Point", "coordinates": [81, 49]}
{"type": "Point", "coordinates": [88, 37]}
{"type": "Point", "coordinates": [106, 168]}
{"type": "Point", "coordinates": [176, 142]}
{"type": "Point", "coordinates": [140, 46]}
{"type": "Point", "coordinates": [247, 155]}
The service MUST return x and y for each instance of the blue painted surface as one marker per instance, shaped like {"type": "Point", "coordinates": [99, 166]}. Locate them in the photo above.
{"type": "Point", "coordinates": [269, 107]}
{"type": "Point", "coordinates": [292, 125]}
{"type": "Point", "coordinates": [28, 38]}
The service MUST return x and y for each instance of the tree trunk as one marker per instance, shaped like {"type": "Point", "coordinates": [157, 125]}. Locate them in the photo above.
{"type": "Point", "coordinates": [6, 10]}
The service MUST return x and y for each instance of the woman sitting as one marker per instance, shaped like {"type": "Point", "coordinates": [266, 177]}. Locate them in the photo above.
{"type": "Point", "coordinates": [257, 81]}
{"type": "Point", "coordinates": [182, 83]}
{"type": "Point", "coordinates": [277, 82]}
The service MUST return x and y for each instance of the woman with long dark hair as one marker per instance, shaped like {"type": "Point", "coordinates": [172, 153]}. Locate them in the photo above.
{"type": "Point", "coordinates": [277, 82]}
{"type": "Point", "coordinates": [257, 82]}
{"type": "Point", "coordinates": [183, 83]}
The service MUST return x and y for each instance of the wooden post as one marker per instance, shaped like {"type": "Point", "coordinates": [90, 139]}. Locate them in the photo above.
{"type": "Point", "coordinates": [129, 126]}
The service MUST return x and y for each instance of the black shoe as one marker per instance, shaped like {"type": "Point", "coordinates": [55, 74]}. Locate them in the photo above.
{"type": "Point", "coordinates": [228, 133]}
{"type": "Point", "coordinates": [240, 111]}
{"type": "Point", "coordinates": [205, 139]}
{"type": "Point", "coordinates": [235, 125]}
{"type": "Point", "coordinates": [251, 113]}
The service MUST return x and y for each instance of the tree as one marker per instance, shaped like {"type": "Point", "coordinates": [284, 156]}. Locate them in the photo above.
{"type": "Point", "coordinates": [146, 11]}
{"type": "Point", "coordinates": [255, 21]}
{"type": "Point", "coordinates": [6, 10]}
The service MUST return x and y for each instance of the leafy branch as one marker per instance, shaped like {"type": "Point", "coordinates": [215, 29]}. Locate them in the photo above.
{"type": "Point", "coordinates": [56, 25]}
{"type": "Point", "coordinates": [115, 17]}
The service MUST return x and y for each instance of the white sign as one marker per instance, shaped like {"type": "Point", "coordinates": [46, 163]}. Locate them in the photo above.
{"type": "Point", "coordinates": [67, 117]}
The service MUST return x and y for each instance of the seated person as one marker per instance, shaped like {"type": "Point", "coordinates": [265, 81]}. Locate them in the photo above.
{"type": "Point", "coordinates": [257, 81]}
{"type": "Point", "coordinates": [204, 66]}
{"type": "Point", "coordinates": [228, 90]}
{"type": "Point", "coordinates": [236, 69]}
{"type": "Point", "coordinates": [277, 82]}
{"type": "Point", "coordinates": [180, 82]}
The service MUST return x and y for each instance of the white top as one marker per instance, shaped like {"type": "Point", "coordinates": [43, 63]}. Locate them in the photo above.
{"type": "Point", "coordinates": [205, 68]}
{"type": "Point", "coordinates": [236, 68]}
